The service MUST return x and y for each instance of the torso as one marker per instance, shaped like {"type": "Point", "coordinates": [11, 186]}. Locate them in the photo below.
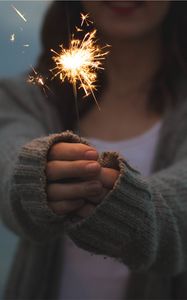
{"type": "Point", "coordinates": [117, 120]}
{"type": "Point", "coordinates": [87, 276]}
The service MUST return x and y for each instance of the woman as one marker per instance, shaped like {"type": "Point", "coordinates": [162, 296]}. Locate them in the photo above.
{"type": "Point", "coordinates": [55, 187]}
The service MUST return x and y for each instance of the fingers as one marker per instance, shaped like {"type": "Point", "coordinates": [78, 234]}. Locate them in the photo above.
{"type": "Point", "coordinates": [70, 191]}
{"type": "Point", "coordinates": [72, 169]}
{"type": "Point", "coordinates": [72, 151]}
{"type": "Point", "coordinates": [98, 199]}
{"type": "Point", "coordinates": [81, 207]}
{"type": "Point", "coordinates": [66, 206]}
{"type": "Point", "coordinates": [86, 210]}
{"type": "Point", "coordinates": [108, 177]}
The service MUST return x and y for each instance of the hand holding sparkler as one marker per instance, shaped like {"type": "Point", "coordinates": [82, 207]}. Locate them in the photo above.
{"type": "Point", "coordinates": [88, 182]}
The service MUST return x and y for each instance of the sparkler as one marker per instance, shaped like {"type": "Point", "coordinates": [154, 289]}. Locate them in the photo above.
{"type": "Point", "coordinates": [79, 64]}
{"type": "Point", "coordinates": [19, 13]}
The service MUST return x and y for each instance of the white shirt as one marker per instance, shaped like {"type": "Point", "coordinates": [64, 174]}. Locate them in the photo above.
{"type": "Point", "coordinates": [90, 277]}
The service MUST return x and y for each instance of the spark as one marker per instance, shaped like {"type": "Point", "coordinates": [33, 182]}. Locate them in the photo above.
{"type": "Point", "coordinates": [12, 37]}
{"type": "Point", "coordinates": [85, 18]}
{"type": "Point", "coordinates": [78, 29]}
{"type": "Point", "coordinates": [26, 45]}
{"type": "Point", "coordinates": [80, 62]}
{"type": "Point", "coordinates": [19, 13]}
{"type": "Point", "coordinates": [37, 79]}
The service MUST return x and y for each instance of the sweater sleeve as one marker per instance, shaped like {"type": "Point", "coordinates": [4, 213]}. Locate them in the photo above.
{"type": "Point", "coordinates": [24, 145]}
{"type": "Point", "coordinates": [142, 222]}
{"type": "Point", "coordinates": [28, 195]}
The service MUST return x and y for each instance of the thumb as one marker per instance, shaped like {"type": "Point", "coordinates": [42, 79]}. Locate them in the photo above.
{"type": "Point", "coordinates": [108, 177]}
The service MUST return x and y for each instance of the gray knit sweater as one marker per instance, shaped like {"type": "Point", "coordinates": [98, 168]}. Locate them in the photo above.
{"type": "Point", "coordinates": [142, 222]}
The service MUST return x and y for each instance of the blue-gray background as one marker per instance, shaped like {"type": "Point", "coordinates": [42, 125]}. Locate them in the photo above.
{"type": "Point", "coordinates": [15, 59]}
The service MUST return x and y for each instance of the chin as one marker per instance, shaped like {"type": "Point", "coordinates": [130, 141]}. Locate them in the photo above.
{"type": "Point", "coordinates": [127, 19]}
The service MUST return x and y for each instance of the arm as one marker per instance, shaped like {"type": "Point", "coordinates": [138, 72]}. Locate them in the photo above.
{"type": "Point", "coordinates": [32, 204]}
{"type": "Point", "coordinates": [21, 121]}
{"type": "Point", "coordinates": [142, 222]}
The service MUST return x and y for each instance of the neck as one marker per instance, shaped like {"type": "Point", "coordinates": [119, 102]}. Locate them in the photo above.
{"type": "Point", "coordinates": [124, 113]}
{"type": "Point", "coordinates": [132, 64]}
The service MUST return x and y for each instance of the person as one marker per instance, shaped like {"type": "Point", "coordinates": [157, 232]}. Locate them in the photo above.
{"type": "Point", "coordinates": [101, 214]}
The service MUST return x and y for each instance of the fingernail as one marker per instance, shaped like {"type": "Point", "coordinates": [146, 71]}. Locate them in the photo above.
{"type": "Point", "coordinates": [93, 166]}
{"type": "Point", "coordinates": [91, 154]}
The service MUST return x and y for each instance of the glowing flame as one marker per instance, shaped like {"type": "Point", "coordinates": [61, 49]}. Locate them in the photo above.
{"type": "Point", "coordinates": [79, 63]}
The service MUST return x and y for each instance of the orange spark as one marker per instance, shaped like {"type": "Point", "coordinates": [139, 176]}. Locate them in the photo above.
{"type": "Point", "coordinates": [85, 18]}
{"type": "Point", "coordinates": [36, 78]}
{"type": "Point", "coordinates": [80, 62]}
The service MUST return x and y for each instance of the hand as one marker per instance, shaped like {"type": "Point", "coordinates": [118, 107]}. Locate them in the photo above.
{"type": "Point", "coordinates": [88, 182]}
{"type": "Point", "coordinates": [77, 163]}
{"type": "Point", "coordinates": [108, 178]}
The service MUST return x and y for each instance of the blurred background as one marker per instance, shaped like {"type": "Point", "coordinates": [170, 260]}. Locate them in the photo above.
{"type": "Point", "coordinates": [20, 46]}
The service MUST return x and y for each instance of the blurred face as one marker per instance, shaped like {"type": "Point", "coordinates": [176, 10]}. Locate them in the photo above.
{"type": "Point", "coordinates": [127, 19]}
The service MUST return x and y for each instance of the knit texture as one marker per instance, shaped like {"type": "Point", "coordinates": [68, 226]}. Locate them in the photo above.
{"type": "Point", "coordinates": [28, 190]}
{"type": "Point", "coordinates": [142, 222]}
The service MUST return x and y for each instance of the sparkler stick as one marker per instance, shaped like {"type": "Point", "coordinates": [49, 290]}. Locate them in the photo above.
{"type": "Point", "coordinates": [76, 106]}
{"type": "Point", "coordinates": [74, 84]}
{"type": "Point", "coordinates": [19, 13]}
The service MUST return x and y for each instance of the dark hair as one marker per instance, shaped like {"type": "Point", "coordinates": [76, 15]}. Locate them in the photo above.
{"type": "Point", "coordinates": [59, 23]}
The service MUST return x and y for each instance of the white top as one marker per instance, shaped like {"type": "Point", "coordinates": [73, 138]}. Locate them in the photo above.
{"type": "Point", "coordinates": [90, 277]}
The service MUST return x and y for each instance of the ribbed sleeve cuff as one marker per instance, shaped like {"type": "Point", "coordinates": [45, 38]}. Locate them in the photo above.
{"type": "Point", "coordinates": [123, 226]}
{"type": "Point", "coordinates": [28, 193]}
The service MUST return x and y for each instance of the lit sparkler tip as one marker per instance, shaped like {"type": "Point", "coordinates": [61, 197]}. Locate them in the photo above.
{"type": "Point", "coordinates": [19, 13]}
{"type": "Point", "coordinates": [79, 64]}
